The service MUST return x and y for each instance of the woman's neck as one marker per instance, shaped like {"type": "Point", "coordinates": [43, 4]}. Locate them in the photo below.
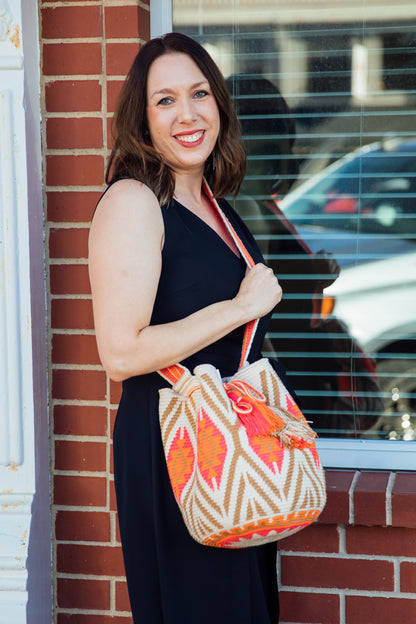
{"type": "Point", "coordinates": [188, 189]}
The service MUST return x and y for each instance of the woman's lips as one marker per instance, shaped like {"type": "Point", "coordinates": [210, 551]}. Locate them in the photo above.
{"type": "Point", "coordinates": [190, 139]}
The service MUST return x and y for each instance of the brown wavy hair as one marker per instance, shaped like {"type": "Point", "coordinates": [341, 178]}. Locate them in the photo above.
{"type": "Point", "coordinates": [133, 155]}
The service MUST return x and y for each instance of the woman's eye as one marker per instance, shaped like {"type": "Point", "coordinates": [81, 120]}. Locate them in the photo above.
{"type": "Point", "coordinates": [165, 101]}
{"type": "Point", "coordinates": [201, 94]}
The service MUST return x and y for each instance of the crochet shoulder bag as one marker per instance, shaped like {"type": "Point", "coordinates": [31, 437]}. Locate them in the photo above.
{"type": "Point", "coordinates": [241, 457]}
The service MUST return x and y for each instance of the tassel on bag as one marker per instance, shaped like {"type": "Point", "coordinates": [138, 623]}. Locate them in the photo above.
{"type": "Point", "coordinates": [260, 419]}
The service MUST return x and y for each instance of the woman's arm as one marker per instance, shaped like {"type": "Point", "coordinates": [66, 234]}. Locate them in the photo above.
{"type": "Point", "coordinates": [125, 244]}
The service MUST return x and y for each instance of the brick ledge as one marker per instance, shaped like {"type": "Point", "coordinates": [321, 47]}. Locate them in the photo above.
{"type": "Point", "coordinates": [370, 498]}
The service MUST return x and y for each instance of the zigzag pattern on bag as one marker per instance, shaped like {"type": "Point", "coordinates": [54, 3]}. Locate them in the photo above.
{"type": "Point", "coordinates": [236, 490]}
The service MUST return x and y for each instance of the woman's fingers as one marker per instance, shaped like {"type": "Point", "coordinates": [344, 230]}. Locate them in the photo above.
{"type": "Point", "coordinates": [259, 292]}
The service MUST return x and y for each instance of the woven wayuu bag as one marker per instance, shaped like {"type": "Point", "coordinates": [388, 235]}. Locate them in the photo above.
{"type": "Point", "coordinates": [241, 456]}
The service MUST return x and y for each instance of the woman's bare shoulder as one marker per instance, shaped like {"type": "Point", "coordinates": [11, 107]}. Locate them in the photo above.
{"type": "Point", "coordinates": [127, 193]}
{"type": "Point", "coordinates": [128, 213]}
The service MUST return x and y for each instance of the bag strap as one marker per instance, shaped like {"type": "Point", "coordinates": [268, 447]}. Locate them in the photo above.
{"type": "Point", "coordinates": [175, 372]}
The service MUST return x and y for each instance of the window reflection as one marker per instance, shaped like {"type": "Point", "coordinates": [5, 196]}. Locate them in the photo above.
{"type": "Point", "coordinates": [326, 96]}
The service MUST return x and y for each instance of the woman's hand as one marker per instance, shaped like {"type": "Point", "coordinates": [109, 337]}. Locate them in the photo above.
{"type": "Point", "coordinates": [259, 292]}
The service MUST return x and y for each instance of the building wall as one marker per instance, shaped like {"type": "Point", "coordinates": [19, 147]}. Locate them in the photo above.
{"type": "Point", "coordinates": [356, 566]}
{"type": "Point", "coordinates": [87, 48]}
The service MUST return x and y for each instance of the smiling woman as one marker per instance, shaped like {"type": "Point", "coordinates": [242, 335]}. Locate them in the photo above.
{"type": "Point", "coordinates": [183, 118]}
{"type": "Point", "coordinates": [170, 286]}
{"type": "Point", "coordinates": [134, 155]}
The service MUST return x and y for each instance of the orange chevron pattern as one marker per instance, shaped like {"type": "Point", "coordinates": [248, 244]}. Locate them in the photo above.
{"type": "Point", "coordinates": [293, 408]}
{"type": "Point", "coordinates": [212, 449]}
{"type": "Point", "coordinates": [180, 462]}
{"type": "Point", "coordinates": [236, 490]}
{"type": "Point", "coordinates": [270, 453]}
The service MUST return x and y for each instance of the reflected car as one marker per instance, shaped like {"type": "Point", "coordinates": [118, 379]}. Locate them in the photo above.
{"type": "Point", "coordinates": [377, 301]}
{"type": "Point", "coordinates": [363, 204]}
{"type": "Point", "coordinates": [362, 208]}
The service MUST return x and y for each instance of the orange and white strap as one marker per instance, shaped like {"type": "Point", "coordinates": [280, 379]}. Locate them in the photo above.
{"type": "Point", "coordinates": [175, 372]}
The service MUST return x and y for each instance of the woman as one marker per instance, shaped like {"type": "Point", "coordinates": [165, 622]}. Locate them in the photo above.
{"type": "Point", "coordinates": [169, 285]}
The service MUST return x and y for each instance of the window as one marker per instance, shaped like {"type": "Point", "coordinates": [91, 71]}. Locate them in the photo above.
{"type": "Point", "coordinates": [326, 96]}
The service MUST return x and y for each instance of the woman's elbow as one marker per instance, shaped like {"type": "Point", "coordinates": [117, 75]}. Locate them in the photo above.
{"type": "Point", "coordinates": [118, 363]}
{"type": "Point", "coordinates": [116, 374]}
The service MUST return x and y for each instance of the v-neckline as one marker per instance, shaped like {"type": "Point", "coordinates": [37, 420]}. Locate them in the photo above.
{"type": "Point", "coordinates": [211, 229]}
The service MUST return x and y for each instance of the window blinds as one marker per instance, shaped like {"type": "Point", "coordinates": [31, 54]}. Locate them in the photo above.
{"type": "Point", "coordinates": [326, 96]}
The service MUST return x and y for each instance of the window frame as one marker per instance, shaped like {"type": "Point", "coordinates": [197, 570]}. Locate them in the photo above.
{"type": "Point", "coordinates": [334, 452]}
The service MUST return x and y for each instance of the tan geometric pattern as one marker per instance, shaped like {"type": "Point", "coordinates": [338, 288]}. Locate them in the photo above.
{"type": "Point", "coordinates": [236, 490]}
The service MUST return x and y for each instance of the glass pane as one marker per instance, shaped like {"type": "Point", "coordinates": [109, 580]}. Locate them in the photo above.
{"type": "Point", "coordinates": [326, 95]}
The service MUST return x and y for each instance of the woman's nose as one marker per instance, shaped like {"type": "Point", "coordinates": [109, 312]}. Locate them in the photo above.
{"type": "Point", "coordinates": [186, 110]}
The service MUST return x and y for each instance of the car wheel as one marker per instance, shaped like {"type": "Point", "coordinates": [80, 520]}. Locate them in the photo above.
{"type": "Point", "coordinates": [397, 379]}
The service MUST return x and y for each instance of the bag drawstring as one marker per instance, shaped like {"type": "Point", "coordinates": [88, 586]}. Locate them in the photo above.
{"type": "Point", "coordinates": [260, 419]}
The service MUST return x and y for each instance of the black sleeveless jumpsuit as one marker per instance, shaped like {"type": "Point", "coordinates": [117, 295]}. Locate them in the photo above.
{"type": "Point", "coordinates": [171, 578]}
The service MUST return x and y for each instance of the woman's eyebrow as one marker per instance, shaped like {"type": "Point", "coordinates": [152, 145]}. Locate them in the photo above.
{"type": "Point", "coordinates": [166, 90]}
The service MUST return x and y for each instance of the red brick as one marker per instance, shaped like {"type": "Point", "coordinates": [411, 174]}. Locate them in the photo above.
{"type": "Point", "coordinates": [74, 349]}
{"type": "Point", "coordinates": [68, 243]}
{"type": "Point", "coordinates": [78, 618]}
{"type": "Point", "coordinates": [309, 608]}
{"type": "Point", "coordinates": [73, 96]}
{"type": "Point", "coordinates": [69, 170]}
{"type": "Point", "coordinates": [335, 572]}
{"type": "Point", "coordinates": [118, 536]}
{"type": "Point", "coordinates": [408, 577]}
{"type": "Point", "coordinates": [316, 538]}
{"type": "Point", "coordinates": [122, 597]}
{"type": "Point", "coordinates": [74, 132]}
{"type": "Point", "coordinates": [113, 415]}
{"type": "Point", "coordinates": [82, 526]}
{"type": "Point", "coordinates": [113, 501]}
{"type": "Point", "coordinates": [72, 314]}
{"type": "Point", "coordinates": [110, 137]}
{"type": "Point", "coordinates": [67, 59]}
{"type": "Point", "coordinates": [83, 559]}
{"type": "Point", "coordinates": [71, 22]}
{"type": "Point", "coordinates": [78, 384]}
{"type": "Point", "coordinates": [111, 468]}
{"type": "Point", "coordinates": [120, 57]}
{"type": "Point", "coordinates": [123, 22]}
{"type": "Point", "coordinates": [80, 491]}
{"type": "Point", "coordinates": [370, 498]}
{"type": "Point", "coordinates": [76, 419]}
{"type": "Point", "coordinates": [83, 594]}
{"type": "Point", "coordinates": [115, 392]}
{"type": "Point", "coordinates": [403, 500]}
{"type": "Point", "coordinates": [69, 279]}
{"type": "Point", "coordinates": [375, 610]}
{"type": "Point", "coordinates": [113, 92]}
{"type": "Point", "coordinates": [338, 485]}
{"type": "Point", "coordinates": [385, 541]}
{"type": "Point", "coordinates": [72, 206]}
{"type": "Point", "coordinates": [80, 456]}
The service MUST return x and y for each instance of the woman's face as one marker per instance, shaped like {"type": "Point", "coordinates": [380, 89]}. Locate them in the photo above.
{"type": "Point", "coordinates": [182, 112]}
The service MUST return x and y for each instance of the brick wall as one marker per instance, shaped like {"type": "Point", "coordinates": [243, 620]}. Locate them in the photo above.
{"type": "Point", "coordinates": [87, 48]}
{"type": "Point", "coordinates": [357, 566]}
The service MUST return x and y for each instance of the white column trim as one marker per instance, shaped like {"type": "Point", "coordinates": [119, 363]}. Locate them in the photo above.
{"type": "Point", "coordinates": [160, 17]}
{"type": "Point", "coordinates": [17, 460]}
